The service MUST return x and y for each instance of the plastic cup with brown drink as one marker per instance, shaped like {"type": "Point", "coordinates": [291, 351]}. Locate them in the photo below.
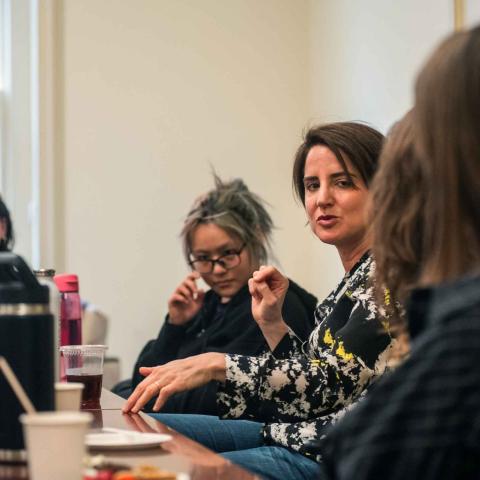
{"type": "Point", "coordinates": [84, 364]}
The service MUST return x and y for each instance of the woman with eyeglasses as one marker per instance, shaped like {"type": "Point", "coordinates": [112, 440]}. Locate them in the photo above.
{"type": "Point", "coordinates": [273, 409]}
{"type": "Point", "coordinates": [225, 237]}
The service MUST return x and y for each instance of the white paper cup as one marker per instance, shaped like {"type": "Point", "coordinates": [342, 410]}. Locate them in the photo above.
{"type": "Point", "coordinates": [55, 444]}
{"type": "Point", "coordinates": [68, 396]}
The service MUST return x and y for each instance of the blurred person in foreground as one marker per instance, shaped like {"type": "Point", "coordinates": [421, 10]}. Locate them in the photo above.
{"type": "Point", "coordinates": [423, 420]}
{"type": "Point", "coordinates": [284, 404]}
{"type": "Point", "coordinates": [225, 236]}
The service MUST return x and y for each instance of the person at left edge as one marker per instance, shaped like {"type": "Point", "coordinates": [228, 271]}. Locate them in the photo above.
{"type": "Point", "coordinates": [6, 229]}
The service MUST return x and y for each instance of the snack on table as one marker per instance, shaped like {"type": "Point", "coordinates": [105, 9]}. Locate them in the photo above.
{"type": "Point", "coordinates": [141, 472]}
{"type": "Point", "coordinates": [124, 475]}
{"type": "Point", "coordinates": [144, 472]}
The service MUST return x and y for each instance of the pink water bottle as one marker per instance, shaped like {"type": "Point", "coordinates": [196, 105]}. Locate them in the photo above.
{"type": "Point", "coordinates": [70, 309]}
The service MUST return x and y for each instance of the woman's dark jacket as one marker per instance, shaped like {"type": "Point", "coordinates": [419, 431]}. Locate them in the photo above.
{"type": "Point", "coordinates": [227, 328]}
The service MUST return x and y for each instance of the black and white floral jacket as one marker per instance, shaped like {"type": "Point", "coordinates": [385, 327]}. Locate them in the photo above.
{"type": "Point", "coordinates": [298, 397]}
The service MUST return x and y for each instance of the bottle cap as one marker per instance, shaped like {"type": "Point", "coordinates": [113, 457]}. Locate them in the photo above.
{"type": "Point", "coordinates": [44, 272]}
{"type": "Point", "coordinates": [66, 282]}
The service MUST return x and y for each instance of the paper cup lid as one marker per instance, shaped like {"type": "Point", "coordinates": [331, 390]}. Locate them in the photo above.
{"type": "Point", "coordinates": [83, 350]}
{"type": "Point", "coordinates": [69, 386]}
{"type": "Point", "coordinates": [56, 418]}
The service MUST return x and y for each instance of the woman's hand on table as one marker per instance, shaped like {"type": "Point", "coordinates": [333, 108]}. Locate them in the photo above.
{"type": "Point", "coordinates": [186, 300]}
{"type": "Point", "coordinates": [174, 377]}
{"type": "Point", "coordinates": [268, 288]}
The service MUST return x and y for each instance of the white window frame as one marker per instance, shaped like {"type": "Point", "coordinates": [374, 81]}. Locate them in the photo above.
{"type": "Point", "coordinates": [27, 125]}
{"type": "Point", "coordinates": [19, 158]}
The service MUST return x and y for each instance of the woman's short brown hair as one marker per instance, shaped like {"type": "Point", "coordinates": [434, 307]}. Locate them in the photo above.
{"type": "Point", "coordinates": [360, 143]}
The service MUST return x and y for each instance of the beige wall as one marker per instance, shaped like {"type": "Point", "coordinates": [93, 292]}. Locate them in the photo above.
{"type": "Point", "coordinates": [364, 57]}
{"type": "Point", "coordinates": [151, 93]}
{"type": "Point", "coordinates": [155, 93]}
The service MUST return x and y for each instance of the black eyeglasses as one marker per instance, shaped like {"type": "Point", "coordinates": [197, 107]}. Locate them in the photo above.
{"type": "Point", "coordinates": [228, 260]}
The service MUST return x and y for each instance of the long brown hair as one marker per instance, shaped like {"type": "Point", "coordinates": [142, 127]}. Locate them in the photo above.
{"type": "Point", "coordinates": [447, 142]}
{"type": "Point", "coordinates": [397, 219]}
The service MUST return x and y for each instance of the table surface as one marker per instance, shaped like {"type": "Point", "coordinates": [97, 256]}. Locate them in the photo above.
{"type": "Point", "coordinates": [180, 454]}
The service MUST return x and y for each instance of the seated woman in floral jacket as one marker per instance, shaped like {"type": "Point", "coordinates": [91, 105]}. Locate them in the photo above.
{"type": "Point", "coordinates": [284, 404]}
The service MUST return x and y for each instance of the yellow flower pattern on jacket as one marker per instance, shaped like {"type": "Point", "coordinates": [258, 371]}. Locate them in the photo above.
{"type": "Point", "coordinates": [298, 397]}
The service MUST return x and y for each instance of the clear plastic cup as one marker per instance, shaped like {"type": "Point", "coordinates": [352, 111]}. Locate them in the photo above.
{"type": "Point", "coordinates": [84, 364]}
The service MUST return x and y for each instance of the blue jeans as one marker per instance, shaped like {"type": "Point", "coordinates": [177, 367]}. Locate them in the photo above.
{"type": "Point", "coordinates": [241, 442]}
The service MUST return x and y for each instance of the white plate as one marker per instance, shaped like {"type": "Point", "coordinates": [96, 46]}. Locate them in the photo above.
{"type": "Point", "coordinates": [116, 439]}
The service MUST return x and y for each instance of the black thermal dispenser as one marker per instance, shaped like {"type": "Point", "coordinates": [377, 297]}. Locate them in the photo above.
{"type": "Point", "coordinates": [26, 341]}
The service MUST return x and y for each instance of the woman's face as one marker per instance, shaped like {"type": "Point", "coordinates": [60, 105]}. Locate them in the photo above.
{"type": "Point", "coordinates": [336, 208]}
{"type": "Point", "coordinates": [210, 242]}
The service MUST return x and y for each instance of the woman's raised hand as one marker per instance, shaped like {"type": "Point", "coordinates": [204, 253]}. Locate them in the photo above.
{"type": "Point", "coordinates": [173, 377]}
{"type": "Point", "coordinates": [186, 300]}
{"type": "Point", "coordinates": [268, 288]}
